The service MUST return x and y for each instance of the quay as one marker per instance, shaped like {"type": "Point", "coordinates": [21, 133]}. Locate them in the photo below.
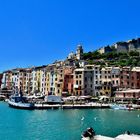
{"type": "Point", "coordinates": [72, 106]}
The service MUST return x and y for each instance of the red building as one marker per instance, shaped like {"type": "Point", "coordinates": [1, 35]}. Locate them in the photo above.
{"type": "Point", "coordinates": [68, 81]}
{"type": "Point", "coordinates": [130, 78]}
{"type": "Point", "coordinates": [125, 76]}
{"type": "Point", "coordinates": [135, 78]}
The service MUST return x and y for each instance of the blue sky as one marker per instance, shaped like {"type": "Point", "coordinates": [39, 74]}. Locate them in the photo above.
{"type": "Point", "coordinates": [37, 32]}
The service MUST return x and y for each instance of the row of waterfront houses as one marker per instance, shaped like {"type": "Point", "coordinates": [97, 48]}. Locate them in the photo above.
{"type": "Point", "coordinates": [73, 76]}
{"type": "Point", "coordinates": [62, 80]}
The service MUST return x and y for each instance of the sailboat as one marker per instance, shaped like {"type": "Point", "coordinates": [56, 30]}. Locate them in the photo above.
{"type": "Point", "coordinates": [20, 102]}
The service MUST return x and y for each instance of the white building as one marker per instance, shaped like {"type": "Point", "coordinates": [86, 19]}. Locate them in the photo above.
{"type": "Point", "coordinates": [97, 80]}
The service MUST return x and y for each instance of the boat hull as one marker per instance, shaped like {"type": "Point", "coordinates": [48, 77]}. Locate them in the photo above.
{"type": "Point", "coordinates": [27, 106]}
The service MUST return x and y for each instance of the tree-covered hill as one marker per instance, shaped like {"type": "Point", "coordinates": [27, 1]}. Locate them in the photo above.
{"type": "Point", "coordinates": [113, 58]}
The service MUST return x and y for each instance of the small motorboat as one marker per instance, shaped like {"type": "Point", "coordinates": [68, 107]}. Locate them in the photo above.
{"type": "Point", "coordinates": [121, 107]}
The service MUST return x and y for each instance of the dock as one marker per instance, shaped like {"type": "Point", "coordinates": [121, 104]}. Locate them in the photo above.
{"type": "Point", "coordinates": [72, 106]}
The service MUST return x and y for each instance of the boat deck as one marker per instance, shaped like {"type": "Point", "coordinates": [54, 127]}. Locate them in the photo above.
{"type": "Point", "coordinates": [120, 137]}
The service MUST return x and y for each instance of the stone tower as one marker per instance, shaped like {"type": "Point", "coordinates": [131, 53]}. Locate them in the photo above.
{"type": "Point", "coordinates": [79, 52]}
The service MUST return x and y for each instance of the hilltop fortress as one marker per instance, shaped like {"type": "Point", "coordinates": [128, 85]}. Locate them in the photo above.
{"type": "Point", "coordinates": [125, 47]}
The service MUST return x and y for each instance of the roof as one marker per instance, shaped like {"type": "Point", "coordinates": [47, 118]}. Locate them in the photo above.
{"type": "Point", "coordinates": [137, 69]}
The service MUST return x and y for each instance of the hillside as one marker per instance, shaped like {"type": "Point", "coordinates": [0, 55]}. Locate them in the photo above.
{"type": "Point", "coordinates": [113, 58]}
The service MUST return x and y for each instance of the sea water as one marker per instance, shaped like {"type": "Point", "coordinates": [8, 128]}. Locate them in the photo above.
{"type": "Point", "coordinates": [67, 124]}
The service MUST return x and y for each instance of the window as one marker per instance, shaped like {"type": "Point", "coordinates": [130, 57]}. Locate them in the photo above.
{"type": "Point", "coordinates": [76, 82]}
{"type": "Point", "coordinates": [90, 78]}
{"type": "Point", "coordinates": [78, 72]}
{"type": "Point", "coordinates": [76, 92]}
{"type": "Point", "coordinates": [80, 82]}
{"type": "Point", "coordinates": [106, 93]}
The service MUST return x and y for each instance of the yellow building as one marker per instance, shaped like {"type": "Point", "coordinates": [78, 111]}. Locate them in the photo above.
{"type": "Point", "coordinates": [106, 81]}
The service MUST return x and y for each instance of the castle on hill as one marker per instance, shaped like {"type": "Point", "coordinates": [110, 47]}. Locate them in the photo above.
{"type": "Point", "coordinates": [125, 47]}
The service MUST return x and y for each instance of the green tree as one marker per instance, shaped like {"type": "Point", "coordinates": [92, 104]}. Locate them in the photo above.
{"type": "Point", "coordinates": [133, 53]}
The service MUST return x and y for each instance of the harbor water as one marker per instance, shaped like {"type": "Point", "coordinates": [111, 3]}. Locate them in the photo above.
{"type": "Point", "coordinates": [65, 124]}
